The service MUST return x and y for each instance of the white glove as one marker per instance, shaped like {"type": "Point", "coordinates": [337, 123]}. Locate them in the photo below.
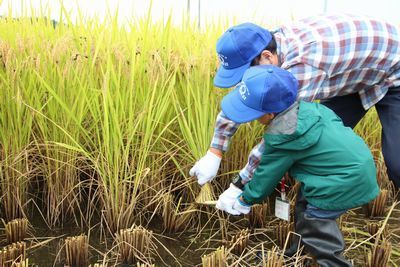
{"type": "Point", "coordinates": [206, 168]}
{"type": "Point", "coordinates": [241, 207]}
{"type": "Point", "coordinates": [228, 198]}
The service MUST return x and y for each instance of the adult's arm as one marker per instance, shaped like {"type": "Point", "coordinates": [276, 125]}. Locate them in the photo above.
{"type": "Point", "coordinates": [223, 132]}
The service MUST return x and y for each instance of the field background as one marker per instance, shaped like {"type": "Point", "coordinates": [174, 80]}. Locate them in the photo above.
{"type": "Point", "coordinates": [99, 126]}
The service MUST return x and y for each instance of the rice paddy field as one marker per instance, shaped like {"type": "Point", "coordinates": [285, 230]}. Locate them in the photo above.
{"type": "Point", "coordinates": [99, 126]}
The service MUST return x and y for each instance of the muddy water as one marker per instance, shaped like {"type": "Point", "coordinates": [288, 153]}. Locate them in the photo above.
{"type": "Point", "coordinates": [184, 251]}
{"type": "Point", "coordinates": [186, 247]}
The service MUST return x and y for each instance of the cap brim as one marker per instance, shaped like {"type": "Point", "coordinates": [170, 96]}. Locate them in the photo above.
{"type": "Point", "coordinates": [236, 111]}
{"type": "Point", "coordinates": [226, 78]}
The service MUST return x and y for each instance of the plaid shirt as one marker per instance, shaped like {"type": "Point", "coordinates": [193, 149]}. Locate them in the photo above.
{"type": "Point", "coordinates": [330, 56]}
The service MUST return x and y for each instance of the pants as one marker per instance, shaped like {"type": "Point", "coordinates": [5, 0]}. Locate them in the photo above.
{"type": "Point", "coordinates": [351, 111]}
{"type": "Point", "coordinates": [315, 212]}
{"type": "Point", "coordinates": [319, 233]}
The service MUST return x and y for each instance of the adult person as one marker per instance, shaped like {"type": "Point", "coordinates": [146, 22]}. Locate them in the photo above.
{"type": "Point", "coordinates": [351, 63]}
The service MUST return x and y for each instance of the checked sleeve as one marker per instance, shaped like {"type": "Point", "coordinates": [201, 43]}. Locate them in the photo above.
{"type": "Point", "coordinates": [254, 159]}
{"type": "Point", "coordinates": [223, 132]}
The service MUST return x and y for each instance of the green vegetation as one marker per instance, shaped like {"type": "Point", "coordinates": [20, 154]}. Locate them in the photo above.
{"type": "Point", "coordinates": [100, 124]}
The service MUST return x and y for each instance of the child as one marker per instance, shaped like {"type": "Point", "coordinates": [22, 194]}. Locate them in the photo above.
{"type": "Point", "coordinates": [334, 166]}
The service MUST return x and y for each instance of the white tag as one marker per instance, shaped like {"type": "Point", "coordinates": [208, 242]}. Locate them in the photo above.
{"type": "Point", "coordinates": [282, 209]}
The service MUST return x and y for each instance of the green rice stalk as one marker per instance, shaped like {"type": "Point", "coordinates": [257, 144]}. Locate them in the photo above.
{"type": "Point", "coordinates": [15, 133]}
{"type": "Point", "coordinates": [57, 131]}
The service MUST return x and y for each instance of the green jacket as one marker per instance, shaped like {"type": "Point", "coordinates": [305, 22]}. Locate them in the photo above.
{"type": "Point", "coordinates": [334, 165]}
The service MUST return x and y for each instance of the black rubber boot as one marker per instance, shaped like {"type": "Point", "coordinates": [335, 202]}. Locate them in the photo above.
{"type": "Point", "coordinates": [323, 239]}
{"type": "Point", "coordinates": [301, 205]}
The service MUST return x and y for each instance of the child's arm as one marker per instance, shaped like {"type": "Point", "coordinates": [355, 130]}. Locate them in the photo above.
{"type": "Point", "coordinates": [273, 165]}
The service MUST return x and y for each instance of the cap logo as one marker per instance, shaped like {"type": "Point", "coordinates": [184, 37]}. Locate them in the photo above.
{"type": "Point", "coordinates": [222, 60]}
{"type": "Point", "coordinates": [244, 91]}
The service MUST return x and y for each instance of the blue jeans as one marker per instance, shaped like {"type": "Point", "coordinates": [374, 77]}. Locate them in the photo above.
{"type": "Point", "coordinates": [351, 111]}
{"type": "Point", "coordinates": [302, 206]}
{"type": "Point", "coordinates": [315, 212]}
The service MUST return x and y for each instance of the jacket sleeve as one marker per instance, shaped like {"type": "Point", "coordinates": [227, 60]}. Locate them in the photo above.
{"type": "Point", "coordinates": [223, 132]}
{"type": "Point", "coordinates": [273, 165]}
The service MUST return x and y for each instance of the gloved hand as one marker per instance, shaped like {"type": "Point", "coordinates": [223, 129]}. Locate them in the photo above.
{"type": "Point", "coordinates": [228, 198]}
{"type": "Point", "coordinates": [206, 168]}
{"type": "Point", "coordinates": [241, 206]}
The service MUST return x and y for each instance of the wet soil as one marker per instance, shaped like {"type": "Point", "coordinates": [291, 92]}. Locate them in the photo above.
{"type": "Point", "coordinates": [187, 247]}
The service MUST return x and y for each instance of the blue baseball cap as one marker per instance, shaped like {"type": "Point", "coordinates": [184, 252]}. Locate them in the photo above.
{"type": "Point", "coordinates": [236, 48]}
{"type": "Point", "coordinates": [264, 89]}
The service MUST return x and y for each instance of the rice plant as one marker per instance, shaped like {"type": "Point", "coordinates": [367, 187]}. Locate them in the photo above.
{"type": "Point", "coordinates": [373, 229]}
{"type": "Point", "coordinates": [258, 215]}
{"type": "Point", "coordinates": [99, 125]}
{"type": "Point", "coordinates": [370, 129]}
{"type": "Point", "coordinates": [16, 230]}
{"type": "Point", "coordinates": [173, 220]}
{"type": "Point", "coordinates": [13, 254]}
{"type": "Point", "coordinates": [135, 245]}
{"type": "Point", "coordinates": [215, 259]}
{"type": "Point", "coordinates": [15, 130]}
{"type": "Point", "coordinates": [239, 242]}
{"type": "Point", "coordinates": [283, 233]}
{"type": "Point", "coordinates": [109, 103]}
{"type": "Point", "coordinates": [379, 255]}
{"type": "Point", "coordinates": [376, 208]}
{"type": "Point", "coordinates": [272, 258]}
{"type": "Point", "coordinates": [77, 251]}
